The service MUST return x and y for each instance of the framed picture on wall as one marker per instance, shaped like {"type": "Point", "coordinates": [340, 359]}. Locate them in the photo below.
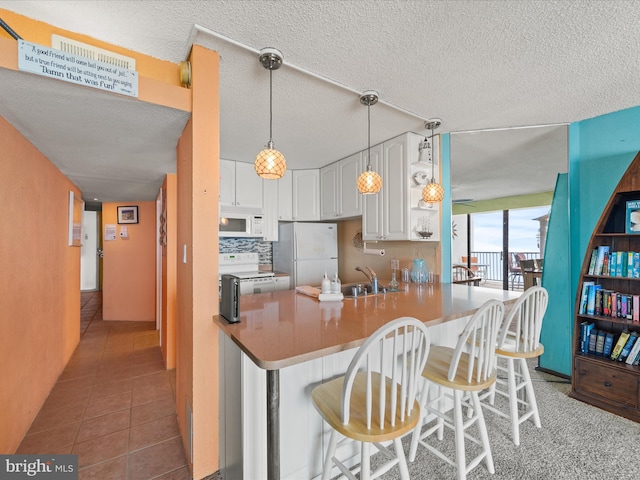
{"type": "Point", "coordinates": [128, 214]}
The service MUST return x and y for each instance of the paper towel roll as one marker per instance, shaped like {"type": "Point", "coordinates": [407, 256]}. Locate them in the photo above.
{"type": "Point", "coordinates": [373, 251]}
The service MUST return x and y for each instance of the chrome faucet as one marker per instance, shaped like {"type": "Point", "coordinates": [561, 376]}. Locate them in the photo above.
{"type": "Point", "coordinates": [370, 276]}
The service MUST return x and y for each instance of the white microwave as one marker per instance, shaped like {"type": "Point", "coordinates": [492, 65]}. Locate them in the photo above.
{"type": "Point", "coordinates": [240, 225]}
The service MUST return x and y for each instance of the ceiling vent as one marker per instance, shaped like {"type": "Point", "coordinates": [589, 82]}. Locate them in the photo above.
{"type": "Point", "coordinates": [89, 51]}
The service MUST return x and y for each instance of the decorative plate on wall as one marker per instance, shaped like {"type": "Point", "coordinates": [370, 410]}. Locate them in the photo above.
{"type": "Point", "coordinates": [357, 240]}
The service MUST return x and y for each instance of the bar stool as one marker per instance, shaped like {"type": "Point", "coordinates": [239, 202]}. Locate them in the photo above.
{"type": "Point", "coordinates": [467, 374]}
{"type": "Point", "coordinates": [376, 400]}
{"type": "Point", "coordinates": [519, 340]}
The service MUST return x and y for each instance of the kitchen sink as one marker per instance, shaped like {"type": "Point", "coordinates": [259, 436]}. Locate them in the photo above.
{"type": "Point", "coordinates": [363, 290]}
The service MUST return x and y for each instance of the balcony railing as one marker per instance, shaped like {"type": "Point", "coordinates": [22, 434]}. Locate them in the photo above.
{"type": "Point", "coordinates": [493, 260]}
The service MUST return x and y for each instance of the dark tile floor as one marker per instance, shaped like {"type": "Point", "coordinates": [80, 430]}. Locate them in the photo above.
{"type": "Point", "coordinates": [113, 405]}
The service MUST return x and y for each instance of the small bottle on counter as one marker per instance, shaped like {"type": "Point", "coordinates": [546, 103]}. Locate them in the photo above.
{"type": "Point", "coordinates": [325, 286]}
{"type": "Point", "coordinates": [336, 284]}
{"type": "Point", "coordinates": [394, 286]}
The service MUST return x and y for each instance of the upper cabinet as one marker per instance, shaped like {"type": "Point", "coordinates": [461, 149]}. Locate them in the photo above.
{"type": "Point", "coordinates": [396, 212]}
{"type": "Point", "coordinates": [306, 195]}
{"type": "Point", "coordinates": [240, 186]}
{"type": "Point", "coordinates": [339, 196]}
{"type": "Point", "coordinates": [285, 197]}
{"type": "Point", "coordinates": [329, 192]}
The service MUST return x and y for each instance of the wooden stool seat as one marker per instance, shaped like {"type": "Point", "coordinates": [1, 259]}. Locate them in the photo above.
{"type": "Point", "coordinates": [437, 370]}
{"type": "Point", "coordinates": [327, 398]}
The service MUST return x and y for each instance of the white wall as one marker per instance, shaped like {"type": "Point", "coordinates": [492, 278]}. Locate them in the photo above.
{"type": "Point", "coordinates": [88, 256]}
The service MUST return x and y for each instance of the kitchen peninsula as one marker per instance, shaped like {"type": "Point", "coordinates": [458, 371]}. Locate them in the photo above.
{"type": "Point", "coordinates": [299, 342]}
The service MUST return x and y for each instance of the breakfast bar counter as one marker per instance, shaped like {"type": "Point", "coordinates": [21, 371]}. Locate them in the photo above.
{"type": "Point", "coordinates": [288, 342]}
{"type": "Point", "coordinates": [280, 329]}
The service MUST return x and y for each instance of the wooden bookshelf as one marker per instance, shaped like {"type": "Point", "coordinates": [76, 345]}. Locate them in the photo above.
{"type": "Point", "coordinates": [609, 384]}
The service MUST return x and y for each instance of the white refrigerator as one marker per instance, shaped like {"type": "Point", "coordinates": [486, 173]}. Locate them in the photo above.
{"type": "Point", "coordinates": [306, 251]}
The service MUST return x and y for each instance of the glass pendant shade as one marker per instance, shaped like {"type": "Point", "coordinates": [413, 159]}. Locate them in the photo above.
{"type": "Point", "coordinates": [270, 163]}
{"type": "Point", "coordinates": [433, 192]}
{"type": "Point", "coordinates": [369, 182]}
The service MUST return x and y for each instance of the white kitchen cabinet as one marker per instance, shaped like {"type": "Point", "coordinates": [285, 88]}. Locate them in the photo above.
{"type": "Point", "coordinates": [306, 195]}
{"type": "Point", "coordinates": [270, 210]}
{"type": "Point", "coordinates": [386, 215]}
{"type": "Point", "coordinates": [339, 196]}
{"type": "Point", "coordinates": [240, 186]}
{"type": "Point", "coordinates": [350, 199]}
{"type": "Point", "coordinates": [329, 192]}
{"type": "Point", "coordinates": [285, 197]}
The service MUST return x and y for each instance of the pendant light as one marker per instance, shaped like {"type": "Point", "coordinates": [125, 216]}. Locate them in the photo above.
{"type": "Point", "coordinates": [369, 181]}
{"type": "Point", "coordinates": [270, 163]}
{"type": "Point", "coordinates": [432, 191]}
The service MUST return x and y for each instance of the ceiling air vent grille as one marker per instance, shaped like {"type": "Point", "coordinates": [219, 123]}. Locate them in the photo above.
{"type": "Point", "coordinates": [89, 51]}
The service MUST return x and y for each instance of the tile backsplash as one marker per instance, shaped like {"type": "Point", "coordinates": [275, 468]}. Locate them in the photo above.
{"type": "Point", "coordinates": [243, 245]}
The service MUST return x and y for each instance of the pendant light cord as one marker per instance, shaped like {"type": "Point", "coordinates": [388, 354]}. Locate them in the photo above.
{"type": "Point", "coordinates": [271, 104]}
{"type": "Point", "coordinates": [433, 177]}
{"type": "Point", "coordinates": [369, 136]}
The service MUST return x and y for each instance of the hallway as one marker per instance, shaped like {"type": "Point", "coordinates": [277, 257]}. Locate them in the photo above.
{"type": "Point", "coordinates": [113, 405]}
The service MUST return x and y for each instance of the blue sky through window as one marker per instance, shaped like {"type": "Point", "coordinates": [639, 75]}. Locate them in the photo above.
{"type": "Point", "coordinates": [523, 230]}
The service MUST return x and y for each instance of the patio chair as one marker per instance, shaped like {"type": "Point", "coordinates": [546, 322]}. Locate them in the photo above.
{"type": "Point", "coordinates": [515, 270]}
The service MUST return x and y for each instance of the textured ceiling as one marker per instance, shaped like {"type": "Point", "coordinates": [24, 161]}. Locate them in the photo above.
{"type": "Point", "coordinates": [478, 65]}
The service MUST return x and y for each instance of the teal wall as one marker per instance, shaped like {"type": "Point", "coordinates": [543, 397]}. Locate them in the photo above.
{"type": "Point", "coordinates": [600, 151]}
{"type": "Point", "coordinates": [555, 278]}
{"type": "Point", "coordinates": [445, 238]}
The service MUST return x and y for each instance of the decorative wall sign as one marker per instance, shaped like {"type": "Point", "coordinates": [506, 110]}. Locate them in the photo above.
{"type": "Point", "coordinates": [67, 67]}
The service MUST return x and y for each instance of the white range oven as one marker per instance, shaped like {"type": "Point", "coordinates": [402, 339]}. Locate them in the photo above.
{"type": "Point", "coordinates": [245, 267]}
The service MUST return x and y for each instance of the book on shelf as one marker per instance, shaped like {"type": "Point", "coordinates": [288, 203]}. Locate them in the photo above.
{"type": "Point", "coordinates": [593, 337]}
{"type": "Point", "coordinates": [585, 332]}
{"type": "Point", "coordinates": [632, 219]}
{"type": "Point", "coordinates": [600, 342]}
{"type": "Point", "coordinates": [605, 265]}
{"type": "Point", "coordinates": [618, 306]}
{"type": "Point", "coordinates": [636, 308]}
{"type": "Point", "coordinates": [612, 264]}
{"type": "Point", "coordinates": [633, 353]}
{"type": "Point", "coordinates": [592, 262]}
{"type": "Point", "coordinates": [636, 265]}
{"type": "Point", "coordinates": [626, 350]}
{"type": "Point", "coordinates": [636, 361]}
{"type": "Point", "coordinates": [629, 307]}
{"type": "Point", "coordinates": [602, 250]}
{"type": "Point", "coordinates": [583, 300]}
{"type": "Point", "coordinates": [608, 344]}
{"type": "Point", "coordinates": [598, 305]}
{"type": "Point", "coordinates": [629, 265]}
{"type": "Point", "coordinates": [606, 303]}
{"type": "Point", "coordinates": [591, 299]}
{"type": "Point", "coordinates": [619, 264]}
{"type": "Point", "coordinates": [623, 306]}
{"type": "Point", "coordinates": [622, 340]}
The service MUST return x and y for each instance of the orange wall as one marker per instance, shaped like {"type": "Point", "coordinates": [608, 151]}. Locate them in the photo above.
{"type": "Point", "coordinates": [39, 284]}
{"type": "Point", "coordinates": [169, 259]}
{"type": "Point", "coordinates": [198, 173]}
{"type": "Point", "coordinates": [129, 265]}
